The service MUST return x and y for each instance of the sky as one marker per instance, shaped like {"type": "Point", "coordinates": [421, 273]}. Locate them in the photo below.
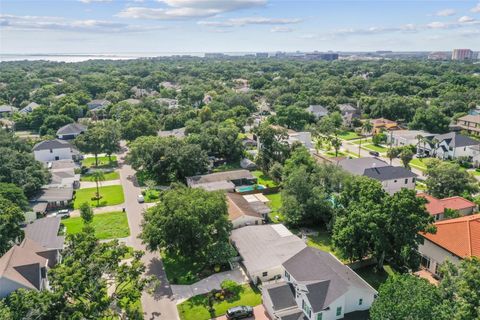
{"type": "Point", "coordinates": [161, 26]}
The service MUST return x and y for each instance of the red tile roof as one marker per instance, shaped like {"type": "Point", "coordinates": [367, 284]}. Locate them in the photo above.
{"type": "Point", "coordinates": [437, 206]}
{"type": "Point", "coordinates": [460, 236]}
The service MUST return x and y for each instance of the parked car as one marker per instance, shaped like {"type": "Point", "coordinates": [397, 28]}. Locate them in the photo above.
{"type": "Point", "coordinates": [63, 214]}
{"type": "Point", "coordinates": [140, 198]}
{"type": "Point", "coordinates": [239, 312]}
{"type": "Point", "coordinates": [374, 153]}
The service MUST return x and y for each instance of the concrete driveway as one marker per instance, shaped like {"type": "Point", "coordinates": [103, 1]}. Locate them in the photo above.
{"type": "Point", "coordinates": [259, 313]}
{"type": "Point", "coordinates": [183, 292]}
{"type": "Point", "coordinates": [159, 304]}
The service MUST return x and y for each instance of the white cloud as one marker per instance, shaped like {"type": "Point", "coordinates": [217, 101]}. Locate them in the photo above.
{"type": "Point", "coordinates": [90, 1]}
{"type": "Point", "coordinates": [437, 25]}
{"type": "Point", "coordinates": [281, 29]}
{"type": "Point", "coordinates": [188, 9]}
{"type": "Point", "coordinates": [476, 9]}
{"type": "Point", "coordinates": [235, 22]}
{"type": "Point", "coordinates": [465, 19]}
{"type": "Point", "coordinates": [12, 22]}
{"type": "Point", "coordinates": [446, 13]}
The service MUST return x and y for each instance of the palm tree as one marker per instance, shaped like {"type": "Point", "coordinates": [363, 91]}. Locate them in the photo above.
{"type": "Point", "coordinates": [367, 128]}
{"type": "Point", "coordinates": [97, 177]}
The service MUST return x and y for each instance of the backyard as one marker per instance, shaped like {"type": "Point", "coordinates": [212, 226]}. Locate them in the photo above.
{"type": "Point", "coordinates": [103, 162]}
{"type": "Point", "coordinates": [264, 179]}
{"type": "Point", "coordinates": [197, 307]}
{"type": "Point", "coordinates": [114, 175]}
{"type": "Point", "coordinates": [373, 277]}
{"type": "Point", "coordinates": [110, 225]}
{"type": "Point", "coordinates": [110, 195]}
{"type": "Point", "coordinates": [275, 204]}
{"type": "Point", "coordinates": [323, 242]}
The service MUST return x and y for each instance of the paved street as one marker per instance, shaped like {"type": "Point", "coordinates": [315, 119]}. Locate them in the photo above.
{"type": "Point", "coordinates": [159, 304]}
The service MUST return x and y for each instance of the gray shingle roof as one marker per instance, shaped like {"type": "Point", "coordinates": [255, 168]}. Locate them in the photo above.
{"type": "Point", "coordinates": [389, 173]}
{"type": "Point", "coordinates": [52, 144]}
{"type": "Point", "coordinates": [282, 295]}
{"type": "Point", "coordinates": [55, 194]}
{"type": "Point", "coordinates": [220, 176]}
{"type": "Point", "coordinates": [359, 165]}
{"type": "Point", "coordinates": [456, 140]}
{"type": "Point", "coordinates": [71, 128]}
{"type": "Point", "coordinates": [6, 108]}
{"type": "Point", "coordinates": [317, 110]}
{"type": "Point", "coordinates": [44, 231]}
{"type": "Point", "coordinates": [347, 107]}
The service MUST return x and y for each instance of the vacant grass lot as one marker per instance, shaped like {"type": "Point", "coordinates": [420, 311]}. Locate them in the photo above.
{"type": "Point", "coordinates": [103, 162]}
{"type": "Point", "coordinates": [263, 179]}
{"type": "Point", "coordinates": [110, 225]}
{"type": "Point", "coordinates": [372, 147]}
{"type": "Point", "coordinates": [111, 195]}
{"type": "Point", "coordinates": [184, 270]}
{"type": "Point", "coordinates": [348, 135]}
{"type": "Point", "coordinates": [196, 308]}
{"type": "Point", "coordinates": [114, 175]}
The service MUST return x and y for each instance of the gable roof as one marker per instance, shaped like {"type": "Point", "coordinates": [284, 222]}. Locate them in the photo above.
{"type": "Point", "coordinates": [282, 295]}
{"type": "Point", "coordinates": [52, 144]}
{"type": "Point", "coordinates": [358, 165]}
{"type": "Point", "coordinates": [6, 108]}
{"type": "Point", "coordinates": [325, 277]}
{"type": "Point", "coordinates": [347, 107]}
{"type": "Point", "coordinates": [44, 231]}
{"type": "Point", "coordinates": [460, 236]}
{"type": "Point", "coordinates": [239, 207]}
{"type": "Point", "coordinates": [436, 206]}
{"type": "Point", "coordinates": [470, 118]}
{"type": "Point", "coordinates": [456, 140]}
{"type": "Point", "coordinates": [72, 128]}
{"type": "Point", "coordinates": [317, 110]}
{"type": "Point", "coordinates": [388, 173]}
{"type": "Point", "coordinates": [30, 107]}
{"type": "Point", "coordinates": [220, 176]}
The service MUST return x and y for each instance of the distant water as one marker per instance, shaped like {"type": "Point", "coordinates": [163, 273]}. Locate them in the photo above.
{"type": "Point", "coordinates": [105, 56]}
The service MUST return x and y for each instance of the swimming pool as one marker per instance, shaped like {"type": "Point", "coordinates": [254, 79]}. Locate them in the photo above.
{"type": "Point", "coordinates": [249, 188]}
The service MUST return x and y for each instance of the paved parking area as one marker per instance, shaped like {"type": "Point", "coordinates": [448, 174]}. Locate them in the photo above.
{"type": "Point", "coordinates": [259, 314]}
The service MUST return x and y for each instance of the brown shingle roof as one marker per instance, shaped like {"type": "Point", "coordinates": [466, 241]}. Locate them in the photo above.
{"type": "Point", "coordinates": [238, 206]}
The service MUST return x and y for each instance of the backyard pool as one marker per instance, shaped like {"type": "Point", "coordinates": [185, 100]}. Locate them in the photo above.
{"type": "Point", "coordinates": [249, 188]}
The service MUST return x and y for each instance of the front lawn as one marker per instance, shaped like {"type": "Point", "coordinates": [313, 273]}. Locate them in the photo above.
{"type": "Point", "coordinates": [197, 308]}
{"type": "Point", "coordinates": [373, 277]}
{"type": "Point", "coordinates": [103, 162]}
{"type": "Point", "coordinates": [362, 141]}
{"type": "Point", "coordinates": [110, 225]}
{"type": "Point", "coordinates": [418, 164]}
{"type": "Point", "coordinates": [331, 154]}
{"type": "Point", "coordinates": [372, 147]}
{"type": "Point", "coordinates": [323, 242]}
{"type": "Point", "coordinates": [111, 195]}
{"type": "Point", "coordinates": [184, 270]}
{"type": "Point", "coordinates": [348, 135]}
{"type": "Point", "coordinates": [114, 175]}
{"type": "Point", "coordinates": [264, 179]}
{"type": "Point", "coordinates": [275, 204]}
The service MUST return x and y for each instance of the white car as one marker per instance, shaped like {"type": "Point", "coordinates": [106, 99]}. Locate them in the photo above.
{"type": "Point", "coordinates": [140, 198]}
{"type": "Point", "coordinates": [63, 214]}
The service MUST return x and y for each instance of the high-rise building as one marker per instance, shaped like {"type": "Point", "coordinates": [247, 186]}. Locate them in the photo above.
{"type": "Point", "coordinates": [462, 54]}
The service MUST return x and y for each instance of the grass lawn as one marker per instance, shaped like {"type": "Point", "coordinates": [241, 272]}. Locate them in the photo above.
{"type": "Point", "coordinates": [372, 147]}
{"type": "Point", "coordinates": [474, 172]}
{"type": "Point", "coordinates": [111, 195]}
{"type": "Point", "coordinates": [363, 141]}
{"type": "Point", "coordinates": [102, 162]}
{"type": "Point", "coordinates": [196, 308]}
{"type": "Point", "coordinates": [108, 225]}
{"type": "Point", "coordinates": [263, 179]}
{"type": "Point", "coordinates": [418, 164]}
{"type": "Point", "coordinates": [323, 242]}
{"type": "Point", "coordinates": [375, 279]}
{"type": "Point", "coordinates": [151, 195]}
{"type": "Point", "coordinates": [184, 270]}
{"type": "Point", "coordinates": [114, 175]}
{"type": "Point", "coordinates": [348, 135]}
{"type": "Point", "coordinates": [275, 204]}
{"type": "Point", "coordinates": [420, 186]}
{"type": "Point", "coordinates": [339, 154]}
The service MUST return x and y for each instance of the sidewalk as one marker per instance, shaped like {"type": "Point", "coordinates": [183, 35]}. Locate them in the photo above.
{"type": "Point", "coordinates": [184, 292]}
{"type": "Point", "coordinates": [92, 184]}
{"type": "Point", "coordinates": [76, 213]}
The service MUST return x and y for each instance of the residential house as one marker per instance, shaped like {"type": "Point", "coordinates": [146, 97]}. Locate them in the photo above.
{"type": "Point", "coordinates": [25, 265]}
{"type": "Point", "coordinates": [98, 104]}
{"type": "Point", "coordinates": [400, 138]}
{"type": "Point", "coordinates": [317, 111]}
{"type": "Point", "coordinates": [54, 197]}
{"type": "Point", "coordinates": [170, 103]}
{"type": "Point", "coordinates": [316, 285]}
{"type": "Point", "coordinates": [242, 212]}
{"type": "Point", "coordinates": [381, 124]}
{"type": "Point", "coordinates": [177, 133]}
{"type": "Point", "coordinates": [140, 93]}
{"type": "Point", "coordinates": [393, 179]}
{"type": "Point", "coordinates": [436, 207]}
{"type": "Point", "coordinates": [226, 181]}
{"type": "Point", "coordinates": [450, 146]}
{"type": "Point", "coordinates": [248, 164]}
{"type": "Point", "coordinates": [348, 113]}
{"type": "Point", "coordinates": [71, 131]}
{"type": "Point", "coordinates": [305, 138]}
{"type": "Point", "coordinates": [29, 108]}
{"type": "Point", "coordinates": [469, 123]}
{"type": "Point", "coordinates": [454, 240]}
{"type": "Point", "coordinates": [131, 101]}
{"type": "Point", "coordinates": [56, 149]}
{"type": "Point", "coordinates": [264, 248]}
{"type": "Point", "coordinates": [7, 111]}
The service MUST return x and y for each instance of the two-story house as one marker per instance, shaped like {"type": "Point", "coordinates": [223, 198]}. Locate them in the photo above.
{"type": "Point", "coordinates": [454, 145]}
{"type": "Point", "coordinates": [348, 112]}
{"type": "Point", "coordinates": [315, 285]}
{"type": "Point", "coordinates": [436, 207]}
{"type": "Point", "coordinates": [469, 123]}
{"type": "Point", "coordinates": [71, 131]}
{"type": "Point", "coordinates": [56, 149]}
{"type": "Point", "coordinates": [317, 111]}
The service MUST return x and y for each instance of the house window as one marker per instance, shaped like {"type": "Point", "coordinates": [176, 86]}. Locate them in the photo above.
{"type": "Point", "coordinates": [395, 181]}
{"type": "Point", "coordinates": [413, 180]}
{"type": "Point", "coordinates": [319, 316]}
{"type": "Point", "coordinates": [264, 274]}
{"type": "Point", "coordinates": [360, 301]}
{"type": "Point", "coordinates": [339, 311]}
{"type": "Point", "coordinates": [51, 151]}
{"type": "Point", "coordinates": [306, 309]}
{"type": "Point", "coordinates": [425, 262]}
{"type": "Point", "coordinates": [406, 181]}
{"type": "Point", "coordinates": [287, 275]}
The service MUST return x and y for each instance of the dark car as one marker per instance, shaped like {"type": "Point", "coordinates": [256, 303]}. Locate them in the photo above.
{"type": "Point", "coordinates": [374, 153]}
{"type": "Point", "coordinates": [240, 312]}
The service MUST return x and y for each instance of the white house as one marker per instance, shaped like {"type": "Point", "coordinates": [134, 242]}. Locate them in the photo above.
{"type": "Point", "coordinates": [449, 146]}
{"type": "Point", "coordinates": [400, 138]}
{"type": "Point", "coordinates": [317, 285]}
{"type": "Point", "coordinates": [51, 150]}
{"type": "Point", "coordinates": [317, 111]}
{"type": "Point", "coordinates": [455, 239]}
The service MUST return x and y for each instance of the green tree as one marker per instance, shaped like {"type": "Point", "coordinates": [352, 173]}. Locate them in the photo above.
{"type": "Point", "coordinates": [406, 297]}
{"type": "Point", "coordinates": [393, 153]}
{"type": "Point", "coordinates": [445, 179]}
{"type": "Point", "coordinates": [86, 213]}
{"type": "Point", "coordinates": [54, 122]}
{"type": "Point", "coordinates": [11, 218]}
{"type": "Point", "coordinates": [273, 146]}
{"type": "Point", "coordinates": [189, 222]}
{"type": "Point", "coordinates": [406, 155]}
{"type": "Point", "coordinates": [14, 194]}
{"type": "Point", "coordinates": [92, 141]}
{"type": "Point", "coordinates": [430, 119]}
{"type": "Point", "coordinates": [98, 176]}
